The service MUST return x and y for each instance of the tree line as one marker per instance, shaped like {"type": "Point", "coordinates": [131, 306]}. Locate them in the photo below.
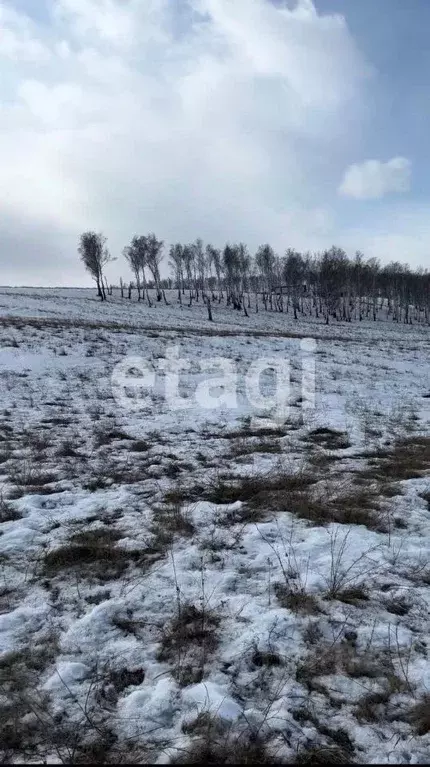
{"type": "Point", "coordinates": [328, 284]}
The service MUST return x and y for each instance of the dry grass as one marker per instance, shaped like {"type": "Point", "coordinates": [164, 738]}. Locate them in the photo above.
{"type": "Point", "coordinates": [293, 491]}
{"type": "Point", "coordinates": [125, 678]}
{"type": "Point", "coordinates": [24, 707]}
{"type": "Point", "coordinates": [373, 707]}
{"type": "Point", "coordinates": [321, 460]}
{"type": "Point", "coordinates": [399, 606]}
{"type": "Point", "coordinates": [36, 441]}
{"type": "Point", "coordinates": [319, 662]}
{"type": "Point", "coordinates": [329, 439]}
{"type": "Point", "coordinates": [247, 431]}
{"type": "Point", "coordinates": [7, 512]}
{"type": "Point", "coordinates": [67, 449]}
{"type": "Point", "coordinates": [104, 434]}
{"type": "Point", "coordinates": [95, 552]}
{"type": "Point", "coordinates": [420, 716]}
{"type": "Point", "coordinates": [28, 480]}
{"type": "Point", "coordinates": [262, 493]}
{"type": "Point", "coordinates": [6, 432]}
{"type": "Point", "coordinates": [343, 657]}
{"type": "Point", "coordinates": [27, 476]}
{"type": "Point", "coordinates": [353, 595]}
{"type": "Point", "coordinates": [267, 658]}
{"type": "Point", "coordinates": [351, 505]}
{"type": "Point", "coordinates": [32, 732]}
{"type": "Point", "coordinates": [170, 520]}
{"type": "Point", "coordinates": [335, 738]}
{"type": "Point", "coordinates": [21, 729]}
{"type": "Point", "coordinates": [245, 750]}
{"type": "Point", "coordinates": [332, 503]}
{"type": "Point", "coordinates": [187, 642]}
{"type": "Point", "coordinates": [407, 458]}
{"type": "Point", "coordinates": [324, 755]}
{"type": "Point", "coordinates": [109, 472]}
{"type": "Point", "coordinates": [140, 446]}
{"type": "Point", "coordinates": [241, 447]}
{"type": "Point", "coordinates": [217, 742]}
{"type": "Point", "coordinates": [57, 420]}
{"type": "Point", "coordinates": [296, 600]}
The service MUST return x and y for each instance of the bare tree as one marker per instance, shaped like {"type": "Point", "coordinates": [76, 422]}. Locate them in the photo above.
{"type": "Point", "coordinates": [188, 256]}
{"type": "Point", "coordinates": [232, 268]}
{"type": "Point", "coordinates": [265, 260]}
{"type": "Point", "coordinates": [213, 257]}
{"type": "Point", "coordinates": [244, 266]}
{"type": "Point", "coordinates": [133, 255]}
{"type": "Point", "coordinates": [176, 262]}
{"type": "Point", "coordinates": [154, 255]}
{"type": "Point", "coordinates": [328, 284]}
{"type": "Point", "coordinates": [140, 256]}
{"type": "Point", "coordinates": [332, 279]}
{"type": "Point", "coordinates": [200, 266]}
{"type": "Point", "coordinates": [293, 273]}
{"type": "Point", "coordinates": [95, 255]}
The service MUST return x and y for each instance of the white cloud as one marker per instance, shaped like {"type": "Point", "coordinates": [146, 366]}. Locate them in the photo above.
{"type": "Point", "coordinates": [189, 118]}
{"type": "Point", "coordinates": [17, 38]}
{"type": "Point", "coordinates": [374, 179]}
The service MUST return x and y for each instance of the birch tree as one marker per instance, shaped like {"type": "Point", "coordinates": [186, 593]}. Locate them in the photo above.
{"type": "Point", "coordinates": [95, 255]}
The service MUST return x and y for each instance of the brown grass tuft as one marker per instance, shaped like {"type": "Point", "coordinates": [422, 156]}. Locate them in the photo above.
{"type": "Point", "coordinates": [407, 458]}
{"type": "Point", "coordinates": [296, 600]}
{"type": "Point", "coordinates": [324, 755]}
{"type": "Point", "coordinates": [420, 716]}
{"type": "Point", "coordinates": [97, 552]}
{"type": "Point", "coordinates": [187, 641]}
{"type": "Point", "coordinates": [329, 439]}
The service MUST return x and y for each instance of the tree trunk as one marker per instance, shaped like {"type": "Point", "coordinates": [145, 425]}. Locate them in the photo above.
{"type": "Point", "coordinates": [208, 304]}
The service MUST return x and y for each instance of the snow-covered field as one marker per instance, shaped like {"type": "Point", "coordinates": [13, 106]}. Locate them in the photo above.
{"type": "Point", "coordinates": [194, 583]}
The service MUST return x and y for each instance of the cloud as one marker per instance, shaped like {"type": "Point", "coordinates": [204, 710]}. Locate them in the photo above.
{"type": "Point", "coordinates": [18, 42]}
{"type": "Point", "coordinates": [189, 118]}
{"type": "Point", "coordinates": [374, 179]}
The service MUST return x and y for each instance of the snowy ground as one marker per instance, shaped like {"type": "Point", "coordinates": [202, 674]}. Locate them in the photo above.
{"type": "Point", "coordinates": [203, 583]}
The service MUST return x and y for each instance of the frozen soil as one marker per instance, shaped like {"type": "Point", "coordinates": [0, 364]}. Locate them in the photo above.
{"type": "Point", "coordinates": [195, 584]}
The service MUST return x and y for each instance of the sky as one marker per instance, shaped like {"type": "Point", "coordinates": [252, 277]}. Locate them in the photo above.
{"type": "Point", "coordinates": [299, 123]}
